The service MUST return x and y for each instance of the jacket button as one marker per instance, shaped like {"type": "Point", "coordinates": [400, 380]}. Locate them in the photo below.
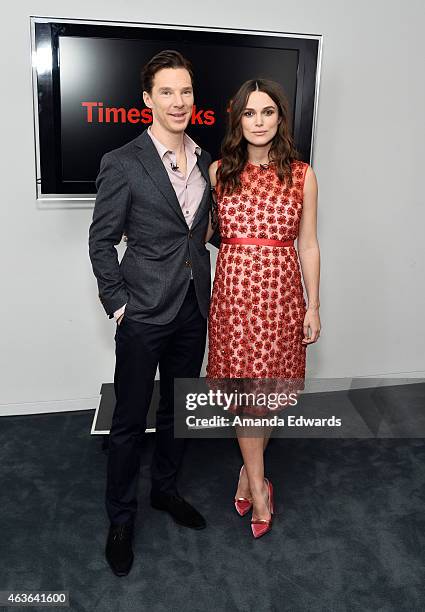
{"type": "Point", "coordinates": [190, 235]}
{"type": "Point", "coordinates": [187, 263]}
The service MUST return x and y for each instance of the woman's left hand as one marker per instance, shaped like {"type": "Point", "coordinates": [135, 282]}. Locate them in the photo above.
{"type": "Point", "coordinates": [311, 326]}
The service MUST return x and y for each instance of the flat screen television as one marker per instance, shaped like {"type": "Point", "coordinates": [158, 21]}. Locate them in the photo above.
{"type": "Point", "coordinates": [88, 95]}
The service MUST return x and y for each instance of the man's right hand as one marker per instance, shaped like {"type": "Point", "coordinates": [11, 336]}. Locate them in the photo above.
{"type": "Point", "coordinates": [118, 314]}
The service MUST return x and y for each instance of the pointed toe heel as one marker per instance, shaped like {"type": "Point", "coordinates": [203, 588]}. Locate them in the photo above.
{"type": "Point", "coordinates": [260, 527]}
{"type": "Point", "coordinates": [242, 504]}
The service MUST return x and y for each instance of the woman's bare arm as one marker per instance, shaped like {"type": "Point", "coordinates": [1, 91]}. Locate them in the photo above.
{"type": "Point", "coordinates": [309, 255]}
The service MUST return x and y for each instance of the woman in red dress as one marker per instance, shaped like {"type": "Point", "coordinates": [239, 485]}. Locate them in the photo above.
{"type": "Point", "coordinates": [259, 323]}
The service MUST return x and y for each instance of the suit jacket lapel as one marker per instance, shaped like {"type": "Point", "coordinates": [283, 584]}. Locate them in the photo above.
{"type": "Point", "coordinates": [148, 156]}
{"type": "Point", "coordinates": [205, 197]}
{"type": "Point", "coordinates": [203, 167]}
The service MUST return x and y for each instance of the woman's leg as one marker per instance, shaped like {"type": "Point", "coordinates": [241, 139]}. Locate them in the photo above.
{"type": "Point", "coordinates": [252, 450]}
{"type": "Point", "coordinates": [267, 434]}
{"type": "Point", "coordinates": [243, 489]}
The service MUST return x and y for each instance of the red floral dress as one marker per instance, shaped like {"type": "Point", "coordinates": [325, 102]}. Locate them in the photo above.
{"type": "Point", "coordinates": [257, 310]}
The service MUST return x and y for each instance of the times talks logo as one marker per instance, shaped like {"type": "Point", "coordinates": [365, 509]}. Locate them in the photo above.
{"type": "Point", "coordinates": [96, 112]}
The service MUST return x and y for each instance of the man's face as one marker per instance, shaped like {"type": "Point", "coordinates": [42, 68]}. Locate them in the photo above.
{"type": "Point", "coordinates": [171, 99]}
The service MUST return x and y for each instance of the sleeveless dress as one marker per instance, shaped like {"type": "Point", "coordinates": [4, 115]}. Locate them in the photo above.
{"type": "Point", "coordinates": [257, 309]}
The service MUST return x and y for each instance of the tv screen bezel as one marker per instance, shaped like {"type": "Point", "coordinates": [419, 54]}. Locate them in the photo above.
{"type": "Point", "coordinates": [50, 189]}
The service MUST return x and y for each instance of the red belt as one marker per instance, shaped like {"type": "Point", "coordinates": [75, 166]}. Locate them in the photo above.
{"type": "Point", "coordinates": [258, 241]}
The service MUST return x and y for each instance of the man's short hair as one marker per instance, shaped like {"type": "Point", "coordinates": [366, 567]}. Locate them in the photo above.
{"type": "Point", "coordinates": [164, 59]}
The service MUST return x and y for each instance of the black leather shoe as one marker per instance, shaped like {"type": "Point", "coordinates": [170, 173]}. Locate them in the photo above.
{"type": "Point", "coordinates": [181, 511]}
{"type": "Point", "coordinates": [119, 552]}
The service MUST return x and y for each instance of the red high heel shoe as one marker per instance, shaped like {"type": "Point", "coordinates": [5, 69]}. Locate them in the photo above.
{"type": "Point", "coordinates": [242, 504]}
{"type": "Point", "coordinates": [259, 527]}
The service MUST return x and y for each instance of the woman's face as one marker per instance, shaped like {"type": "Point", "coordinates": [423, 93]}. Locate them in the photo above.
{"type": "Point", "coordinates": [260, 119]}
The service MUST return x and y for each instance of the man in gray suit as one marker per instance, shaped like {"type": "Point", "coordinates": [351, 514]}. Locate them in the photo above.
{"type": "Point", "coordinates": [155, 188]}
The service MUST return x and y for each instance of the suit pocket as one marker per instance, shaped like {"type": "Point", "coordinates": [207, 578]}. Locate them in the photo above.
{"type": "Point", "coordinates": [149, 285]}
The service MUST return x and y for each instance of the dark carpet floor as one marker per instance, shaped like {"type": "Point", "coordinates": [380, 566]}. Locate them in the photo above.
{"type": "Point", "coordinates": [349, 533]}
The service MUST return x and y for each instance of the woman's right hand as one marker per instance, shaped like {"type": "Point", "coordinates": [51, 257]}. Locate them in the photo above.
{"type": "Point", "coordinates": [210, 230]}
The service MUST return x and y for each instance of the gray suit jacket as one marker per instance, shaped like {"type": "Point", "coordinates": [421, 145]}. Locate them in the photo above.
{"type": "Point", "coordinates": [135, 195]}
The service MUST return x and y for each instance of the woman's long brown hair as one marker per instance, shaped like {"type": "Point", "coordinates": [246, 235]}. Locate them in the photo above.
{"type": "Point", "coordinates": [234, 153]}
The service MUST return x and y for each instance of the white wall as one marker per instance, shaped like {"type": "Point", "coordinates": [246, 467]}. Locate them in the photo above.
{"type": "Point", "coordinates": [56, 342]}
